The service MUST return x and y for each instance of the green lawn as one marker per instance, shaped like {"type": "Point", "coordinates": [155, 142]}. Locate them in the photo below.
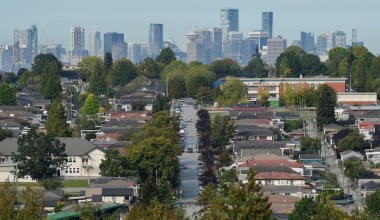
{"type": "Point", "coordinates": [75, 183]}
{"type": "Point", "coordinates": [31, 184]}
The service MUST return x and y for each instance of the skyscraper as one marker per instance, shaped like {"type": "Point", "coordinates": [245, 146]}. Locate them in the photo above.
{"type": "Point", "coordinates": [25, 45]}
{"type": "Point", "coordinates": [77, 40]}
{"type": "Point", "coordinates": [267, 23]}
{"type": "Point", "coordinates": [94, 43]}
{"type": "Point", "coordinates": [325, 42]}
{"type": "Point", "coordinates": [134, 52]}
{"type": "Point", "coordinates": [229, 21]}
{"type": "Point", "coordinates": [307, 41]}
{"type": "Point", "coordinates": [112, 38]}
{"type": "Point", "coordinates": [261, 38]}
{"type": "Point", "coordinates": [195, 48]}
{"type": "Point", "coordinates": [276, 46]}
{"type": "Point", "coordinates": [156, 40]}
{"type": "Point", "coordinates": [340, 39]}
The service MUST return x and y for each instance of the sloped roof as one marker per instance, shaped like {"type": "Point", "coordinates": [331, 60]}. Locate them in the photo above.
{"type": "Point", "coordinates": [271, 163]}
{"type": "Point", "coordinates": [278, 176]}
{"type": "Point", "coordinates": [371, 185]}
{"type": "Point", "coordinates": [371, 114]}
{"type": "Point", "coordinates": [112, 181]}
{"type": "Point", "coordinates": [259, 145]}
{"type": "Point", "coordinates": [74, 146]}
{"type": "Point", "coordinates": [117, 191]}
{"type": "Point", "coordinates": [282, 204]}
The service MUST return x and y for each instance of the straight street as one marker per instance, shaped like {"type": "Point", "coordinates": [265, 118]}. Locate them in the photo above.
{"type": "Point", "coordinates": [189, 179]}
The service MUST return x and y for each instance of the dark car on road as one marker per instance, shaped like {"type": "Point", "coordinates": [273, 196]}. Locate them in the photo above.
{"type": "Point", "coordinates": [189, 150]}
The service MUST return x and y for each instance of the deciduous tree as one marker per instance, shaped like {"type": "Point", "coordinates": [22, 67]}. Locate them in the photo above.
{"type": "Point", "coordinates": [225, 67]}
{"type": "Point", "coordinates": [91, 106]}
{"type": "Point", "coordinates": [373, 205]}
{"type": "Point", "coordinates": [39, 156]}
{"type": "Point", "coordinates": [353, 141]}
{"type": "Point", "coordinates": [89, 65]}
{"type": "Point", "coordinates": [7, 94]}
{"type": "Point", "coordinates": [123, 72]}
{"type": "Point", "coordinates": [149, 68]}
{"type": "Point", "coordinates": [353, 168]}
{"type": "Point", "coordinates": [114, 164]}
{"type": "Point", "coordinates": [233, 92]}
{"type": "Point", "coordinates": [310, 145]}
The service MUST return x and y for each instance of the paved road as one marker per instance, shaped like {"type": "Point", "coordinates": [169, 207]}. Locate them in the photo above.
{"type": "Point", "coordinates": [189, 179]}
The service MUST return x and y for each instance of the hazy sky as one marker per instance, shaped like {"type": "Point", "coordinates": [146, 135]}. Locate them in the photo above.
{"type": "Point", "coordinates": [132, 17]}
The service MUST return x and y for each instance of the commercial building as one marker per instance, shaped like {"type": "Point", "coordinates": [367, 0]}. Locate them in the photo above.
{"type": "Point", "coordinates": [229, 21]}
{"type": "Point", "coordinates": [6, 58]}
{"type": "Point", "coordinates": [112, 38]}
{"type": "Point", "coordinates": [276, 85]}
{"type": "Point", "coordinates": [267, 23]}
{"type": "Point", "coordinates": [25, 46]}
{"type": "Point", "coordinates": [195, 48]}
{"type": "Point", "coordinates": [94, 44]}
{"type": "Point", "coordinates": [261, 37]}
{"type": "Point", "coordinates": [156, 39]}
{"type": "Point", "coordinates": [77, 41]}
{"type": "Point", "coordinates": [276, 46]}
{"type": "Point", "coordinates": [307, 41]}
{"type": "Point", "coordinates": [55, 49]}
{"type": "Point", "coordinates": [325, 42]}
{"type": "Point", "coordinates": [134, 52]}
{"type": "Point", "coordinates": [339, 39]}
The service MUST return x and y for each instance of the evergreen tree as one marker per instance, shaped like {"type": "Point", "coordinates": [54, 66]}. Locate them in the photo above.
{"type": "Point", "coordinates": [166, 56]}
{"type": "Point", "coordinates": [7, 200]}
{"type": "Point", "coordinates": [362, 78]}
{"type": "Point", "coordinates": [5, 133]}
{"type": "Point", "coordinates": [98, 84]}
{"type": "Point", "coordinates": [373, 204]}
{"type": "Point", "coordinates": [56, 124]}
{"type": "Point", "coordinates": [123, 72]}
{"type": "Point", "coordinates": [91, 106]}
{"type": "Point", "coordinates": [326, 102]}
{"type": "Point", "coordinates": [256, 67]}
{"type": "Point", "coordinates": [7, 94]}
{"type": "Point", "coordinates": [149, 68]}
{"type": "Point", "coordinates": [108, 62]}
{"type": "Point", "coordinates": [51, 83]}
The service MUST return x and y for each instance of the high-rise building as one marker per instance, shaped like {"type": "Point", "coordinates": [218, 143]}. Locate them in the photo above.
{"type": "Point", "coordinates": [119, 50]}
{"type": "Point", "coordinates": [307, 41]}
{"type": "Point", "coordinates": [144, 50]}
{"type": "Point", "coordinates": [94, 44]}
{"type": "Point", "coordinates": [229, 21]}
{"type": "Point", "coordinates": [112, 38]}
{"type": "Point", "coordinates": [325, 42]}
{"type": "Point", "coordinates": [156, 39]}
{"type": "Point", "coordinates": [55, 49]}
{"type": "Point", "coordinates": [25, 45]}
{"type": "Point", "coordinates": [340, 39]}
{"type": "Point", "coordinates": [232, 47]}
{"type": "Point", "coordinates": [213, 37]}
{"type": "Point", "coordinates": [261, 38]}
{"type": "Point", "coordinates": [6, 56]}
{"type": "Point", "coordinates": [195, 48]}
{"type": "Point", "coordinates": [354, 38]}
{"type": "Point", "coordinates": [134, 52]}
{"type": "Point", "coordinates": [77, 41]}
{"type": "Point", "coordinates": [276, 46]}
{"type": "Point", "coordinates": [267, 23]}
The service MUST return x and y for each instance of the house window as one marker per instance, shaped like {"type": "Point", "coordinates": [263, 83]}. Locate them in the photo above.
{"type": "Point", "coordinates": [77, 170]}
{"type": "Point", "coordinates": [66, 171]}
{"type": "Point", "coordinates": [69, 159]}
{"type": "Point", "coordinates": [70, 170]}
{"type": "Point", "coordinates": [2, 159]}
{"type": "Point", "coordinates": [74, 159]}
{"type": "Point", "coordinates": [113, 198]}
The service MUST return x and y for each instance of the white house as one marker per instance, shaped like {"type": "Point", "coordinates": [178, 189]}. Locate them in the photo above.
{"type": "Point", "coordinates": [349, 153]}
{"type": "Point", "coordinates": [83, 159]}
{"type": "Point", "coordinates": [373, 154]}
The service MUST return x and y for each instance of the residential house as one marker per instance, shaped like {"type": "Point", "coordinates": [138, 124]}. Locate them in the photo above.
{"type": "Point", "coordinates": [83, 159]}
{"type": "Point", "coordinates": [280, 178]}
{"type": "Point", "coordinates": [309, 158]}
{"type": "Point", "coordinates": [125, 102]}
{"type": "Point", "coordinates": [32, 99]}
{"type": "Point", "coordinates": [297, 191]}
{"type": "Point", "coordinates": [369, 188]}
{"type": "Point", "coordinates": [52, 198]}
{"type": "Point", "coordinates": [258, 134]}
{"type": "Point", "coordinates": [252, 148]}
{"type": "Point", "coordinates": [349, 153]}
{"type": "Point", "coordinates": [373, 154]}
{"type": "Point", "coordinates": [281, 165]}
{"type": "Point", "coordinates": [282, 205]}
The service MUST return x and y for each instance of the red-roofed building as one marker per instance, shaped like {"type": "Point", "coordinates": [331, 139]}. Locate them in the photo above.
{"type": "Point", "coordinates": [294, 166]}
{"type": "Point", "coordinates": [282, 205]}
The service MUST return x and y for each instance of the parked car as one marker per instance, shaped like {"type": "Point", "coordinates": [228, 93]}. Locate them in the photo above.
{"type": "Point", "coordinates": [182, 167]}
{"type": "Point", "coordinates": [184, 104]}
{"type": "Point", "coordinates": [189, 150]}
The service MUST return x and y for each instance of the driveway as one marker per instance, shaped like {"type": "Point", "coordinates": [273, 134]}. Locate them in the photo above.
{"type": "Point", "coordinates": [189, 179]}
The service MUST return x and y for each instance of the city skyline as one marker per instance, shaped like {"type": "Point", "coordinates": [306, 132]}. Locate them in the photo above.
{"type": "Point", "coordinates": [134, 19]}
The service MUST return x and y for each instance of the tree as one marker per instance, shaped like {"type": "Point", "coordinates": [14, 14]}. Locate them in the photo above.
{"type": "Point", "coordinates": [289, 63]}
{"type": "Point", "coordinates": [353, 141]}
{"type": "Point", "coordinates": [340, 135]}
{"type": "Point", "coordinates": [138, 105]}
{"type": "Point", "coordinates": [312, 65]}
{"type": "Point", "coordinates": [362, 77]}
{"type": "Point", "coordinates": [97, 82]}
{"type": "Point", "coordinates": [375, 68]}
{"type": "Point", "coordinates": [5, 133]}
{"type": "Point", "coordinates": [51, 83]}
{"type": "Point", "coordinates": [39, 156]}
{"type": "Point", "coordinates": [123, 72]}
{"type": "Point", "coordinates": [326, 102]}
{"type": "Point", "coordinates": [203, 94]}
{"type": "Point", "coordinates": [196, 77]}
{"type": "Point", "coordinates": [108, 62]}
{"type": "Point", "coordinates": [156, 211]}
{"type": "Point", "coordinates": [51, 184]}
{"type": "Point", "coordinates": [222, 130]}
{"type": "Point", "coordinates": [89, 65]}
{"type": "Point", "coordinates": [233, 92]}
{"type": "Point", "coordinates": [91, 106]}
{"type": "Point", "coordinates": [114, 164]}
{"type": "Point", "coordinates": [336, 55]}
{"type": "Point", "coordinates": [310, 145]}
{"type": "Point", "coordinates": [7, 94]}
{"type": "Point", "coordinates": [161, 104]}
{"type": "Point", "coordinates": [304, 209]}
{"type": "Point", "coordinates": [7, 200]}
{"type": "Point", "coordinates": [166, 56]}
{"type": "Point", "coordinates": [87, 211]}
{"type": "Point", "coordinates": [354, 168]}
{"type": "Point", "coordinates": [148, 68]}
{"type": "Point", "coordinates": [33, 200]}
{"type": "Point", "coordinates": [41, 61]}
{"type": "Point", "coordinates": [256, 67]}
{"type": "Point", "coordinates": [176, 85]}
{"type": "Point", "coordinates": [225, 67]}
{"type": "Point", "coordinates": [373, 205]}
{"type": "Point", "coordinates": [56, 124]}
{"type": "Point", "coordinates": [263, 93]}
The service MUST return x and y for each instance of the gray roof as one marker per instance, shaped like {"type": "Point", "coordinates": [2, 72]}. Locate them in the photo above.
{"type": "Point", "coordinates": [105, 180]}
{"type": "Point", "coordinates": [130, 100]}
{"type": "Point", "coordinates": [287, 115]}
{"type": "Point", "coordinates": [74, 146]}
{"type": "Point", "coordinates": [285, 189]}
{"type": "Point", "coordinates": [117, 191]}
{"type": "Point", "coordinates": [350, 152]}
{"type": "Point", "coordinates": [97, 198]}
{"type": "Point", "coordinates": [371, 114]}
{"type": "Point", "coordinates": [309, 157]}
{"type": "Point", "coordinates": [256, 132]}
{"type": "Point", "coordinates": [259, 145]}
{"type": "Point", "coordinates": [371, 185]}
